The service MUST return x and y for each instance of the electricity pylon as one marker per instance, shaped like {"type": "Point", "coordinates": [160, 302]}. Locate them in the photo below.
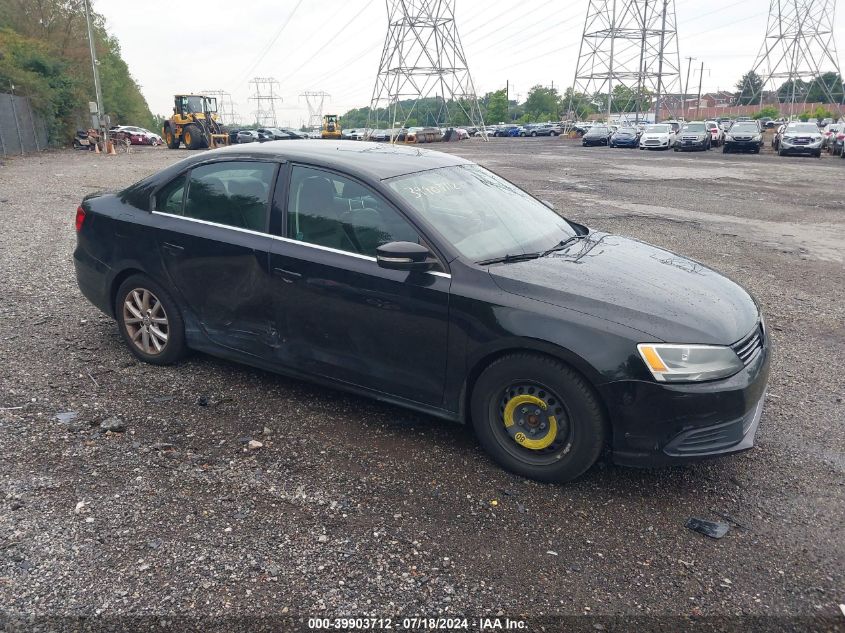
{"type": "Point", "coordinates": [798, 50]}
{"type": "Point", "coordinates": [423, 57]}
{"type": "Point", "coordinates": [265, 95]}
{"type": "Point", "coordinates": [315, 101]}
{"type": "Point", "coordinates": [629, 59]}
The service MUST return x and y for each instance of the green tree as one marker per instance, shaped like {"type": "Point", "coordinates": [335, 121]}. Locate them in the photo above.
{"type": "Point", "coordinates": [577, 105]}
{"type": "Point", "coordinates": [496, 106]}
{"type": "Point", "coordinates": [750, 88]}
{"type": "Point", "coordinates": [768, 111]}
{"type": "Point", "coordinates": [542, 102]}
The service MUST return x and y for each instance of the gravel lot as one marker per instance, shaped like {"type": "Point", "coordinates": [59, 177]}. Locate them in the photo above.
{"type": "Point", "coordinates": [353, 507]}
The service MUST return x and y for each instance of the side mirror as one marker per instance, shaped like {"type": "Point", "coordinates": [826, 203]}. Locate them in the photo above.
{"type": "Point", "coordinates": [408, 256]}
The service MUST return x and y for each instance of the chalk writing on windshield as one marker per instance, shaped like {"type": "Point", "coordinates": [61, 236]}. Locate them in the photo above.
{"type": "Point", "coordinates": [433, 190]}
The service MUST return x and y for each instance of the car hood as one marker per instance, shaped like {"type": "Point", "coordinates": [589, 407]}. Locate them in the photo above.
{"type": "Point", "coordinates": [666, 296]}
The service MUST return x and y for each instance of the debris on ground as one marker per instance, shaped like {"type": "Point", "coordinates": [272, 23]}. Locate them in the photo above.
{"type": "Point", "coordinates": [708, 528]}
{"type": "Point", "coordinates": [113, 425]}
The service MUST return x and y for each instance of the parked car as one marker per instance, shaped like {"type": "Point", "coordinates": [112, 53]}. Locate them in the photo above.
{"type": "Point", "coordinates": [596, 135]}
{"type": "Point", "coordinates": [694, 135]}
{"type": "Point", "coordinates": [625, 137]}
{"type": "Point", "coordinates": [506, 130]}
{"type": "Point", "coordinates": [801, 138]}
{"type": "Point", "coordinates": [658, 136]}
{"type": "Point", "coordinates": [274, 134]}
{"type": "Point", "coordinates": [717, 134]}
{"type": "Point", "coordinates": [138, 135]}
{"type": "Point", "coordinates": [676, 125]}
{"type": "Point", "coordinates": [777, 137]}
{"type": "Point", "coordinates": [836, 145]}
{"type": "Point", "coordinates": [829, 135]}
{"type": "Point", "coordinates": [247, 136]}
{"type": "Point", "coordinates": [744, 136]}
{"type": "Point", "coordinates": [393, 272]}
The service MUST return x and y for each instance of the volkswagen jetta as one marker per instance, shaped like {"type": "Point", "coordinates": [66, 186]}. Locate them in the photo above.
{"type": "Point", "coordinates": [424, 280]}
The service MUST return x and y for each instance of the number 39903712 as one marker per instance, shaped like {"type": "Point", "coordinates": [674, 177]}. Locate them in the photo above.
{"type": "Point", "coordinates": [433, 190]}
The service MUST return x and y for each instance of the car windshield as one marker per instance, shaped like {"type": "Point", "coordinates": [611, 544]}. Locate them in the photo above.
{"type": "Point", "coordinates": [744, 126]}
{"type": "Point", "coordinates": [599, 129]}
{"type": "Point", "coordinates": [805, 128]}
{"type": "Point", "coordinates": [626, 130]}
{"type": "Point", "coordinates": [657, 129]}
{"type": "Point", "coordinates": [482, 215]}
{"type": "Point", "coordinates": [694, 127]}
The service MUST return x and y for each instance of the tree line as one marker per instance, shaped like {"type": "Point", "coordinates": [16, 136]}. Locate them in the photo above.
{"type": "Point", "coordinates": [44, 55]}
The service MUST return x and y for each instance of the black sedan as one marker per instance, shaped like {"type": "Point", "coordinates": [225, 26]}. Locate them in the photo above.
{"type": "Point", "coordinates": [625, 137]}
{"type": "Point", "coordinates": [597, 135]}
{"type": "Point", "coordinates": [422, 279]}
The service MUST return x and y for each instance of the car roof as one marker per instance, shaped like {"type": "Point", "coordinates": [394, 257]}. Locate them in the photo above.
{"type": "Point", "coordinates": [375, 161]}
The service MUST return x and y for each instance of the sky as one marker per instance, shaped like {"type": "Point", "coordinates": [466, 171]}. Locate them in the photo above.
{"type": "Point", "coordinates": [335, 46]}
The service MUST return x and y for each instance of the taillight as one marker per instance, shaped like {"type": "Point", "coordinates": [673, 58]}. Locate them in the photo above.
{"type": "Point", "coordinates": [841, 136]}
{"type": "Point", "coordinates": [80, 218]}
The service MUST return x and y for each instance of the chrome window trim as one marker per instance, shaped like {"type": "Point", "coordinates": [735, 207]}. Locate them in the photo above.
{"type": "Point", "coordinates": [285, 239]}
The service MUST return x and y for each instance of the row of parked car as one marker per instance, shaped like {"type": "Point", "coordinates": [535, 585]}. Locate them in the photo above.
{"type": "Point", "coordinates": [745, 135]}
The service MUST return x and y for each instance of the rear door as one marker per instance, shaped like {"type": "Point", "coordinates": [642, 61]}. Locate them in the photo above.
{"type": "Point", "coordinates": [340, 315]}
{"type": "Point", "coordinates": [214, 244]}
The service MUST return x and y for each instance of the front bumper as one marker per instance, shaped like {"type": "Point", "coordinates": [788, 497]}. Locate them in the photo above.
{"type": "Point", "coordinates": [683, 145]}
{"type": "Point", "coordinates": [655, 144]}
{"type": "Point", "coordinates": [625, 142]}
{"type": "Point", "coordinates": [804, 148]}
{"type": "Point", "coordinates": [657, 423]}
{"type": "Point", "coordinates": [743, 146]}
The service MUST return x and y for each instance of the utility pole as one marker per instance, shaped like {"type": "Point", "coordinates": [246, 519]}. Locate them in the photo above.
{"type": "Point", "coordinates": [700, 82]}
{"type": "Point", "coordinates": [686, 85]}
{"type": "Point", "coordinates": [610, 74]}
{"type": "Point", "coordinates": [660, 65]}
{"type": "Point", "coordinates": [94, 67]}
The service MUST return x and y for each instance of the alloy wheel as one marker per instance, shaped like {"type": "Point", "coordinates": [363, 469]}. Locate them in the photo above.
{"type": "Point", "coordinates": [146, 321]}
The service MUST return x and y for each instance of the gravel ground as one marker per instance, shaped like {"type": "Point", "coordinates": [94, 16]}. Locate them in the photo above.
{"type": "Point", "coordinates": [353, 507]}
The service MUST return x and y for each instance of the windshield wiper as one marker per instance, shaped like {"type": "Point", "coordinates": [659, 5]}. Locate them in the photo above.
{"type": "Point", "coordinates": [560, 246]}
{"type": "Point", "coordinates": [509, 259]}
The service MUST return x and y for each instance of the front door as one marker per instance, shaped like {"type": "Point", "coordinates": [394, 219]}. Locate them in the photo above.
{"type": "Point", "coordinates": [215, 248]}
{"type": "Point", "coordinates": [339, 314]}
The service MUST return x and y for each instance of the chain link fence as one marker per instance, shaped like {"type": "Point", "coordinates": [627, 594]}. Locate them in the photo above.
{"type": "Point", "coordinates": [21, 130]}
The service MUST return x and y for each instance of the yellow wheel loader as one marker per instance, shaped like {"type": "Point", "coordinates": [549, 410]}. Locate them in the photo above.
{"type": "Point", "coordinates": [194, 123]}
{"type": "Point", "coordinates": [331, 127]}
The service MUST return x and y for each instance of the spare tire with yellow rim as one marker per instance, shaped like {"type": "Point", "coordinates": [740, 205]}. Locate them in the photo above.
{"type": "Point", "coordinates": [538, 417]}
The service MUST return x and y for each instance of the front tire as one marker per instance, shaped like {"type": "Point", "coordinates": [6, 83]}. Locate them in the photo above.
{"type": "Point", "coordinates": [192, 136]}
{"type": "Point", "coordinates": [538, 418]}
{"type": "Point", "coordinates": [171, 139]}
{"type": "Point", "coordinates": [149, 321]}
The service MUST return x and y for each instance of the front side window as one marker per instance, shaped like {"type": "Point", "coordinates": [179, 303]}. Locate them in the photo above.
{"type": "Point", "coordinates": [330, 210]}
{"type": "Point", "coordinates": [482, 215]}
{"type": "Point", "coordinates": [169, 198]}
{"type": "Point", "coordinates": [231, 193]}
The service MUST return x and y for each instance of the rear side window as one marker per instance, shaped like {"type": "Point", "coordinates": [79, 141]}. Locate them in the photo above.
{"type": "Point", "coordinates": [231, 193]}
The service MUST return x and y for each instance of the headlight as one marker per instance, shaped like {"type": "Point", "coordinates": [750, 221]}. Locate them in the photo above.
{"type": "Point", "coordinates": [729, 138]}
{"type": "Point", "coordinates": [689, 363]}
{"type": "Point", "coordinates": [759, 137]}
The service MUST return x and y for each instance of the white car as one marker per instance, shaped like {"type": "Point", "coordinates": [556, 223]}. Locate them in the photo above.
{"type": "Point", "coordinates": [801, 138]}
{"type": "Point", "coordinates": [658, 136]}
{"type": "Point", "coordinates": [717, 134]}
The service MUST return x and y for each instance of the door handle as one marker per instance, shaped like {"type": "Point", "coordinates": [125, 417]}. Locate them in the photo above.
{"type": "Point", "coordinates": [173, 249]}
{"type": "Point", "coordinates": [288, 276]}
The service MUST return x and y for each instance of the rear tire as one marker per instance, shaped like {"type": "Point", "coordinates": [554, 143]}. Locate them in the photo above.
{"type": "Point", "coordinates": [171, 139]}
{"type": "Point", "coordinates": [149, 321]}
{"type": "Point", "coordinates": [192, 136]}
{"type": "Point", "coordinates": [557, 444]}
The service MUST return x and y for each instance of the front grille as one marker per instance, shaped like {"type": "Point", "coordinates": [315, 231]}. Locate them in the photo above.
{"type": "Point", "coordinates": [748, 347]}
{"type": "Point", "coordinates": [651, 142]}
{"type": "Point", "coordinates": [742, 138]}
